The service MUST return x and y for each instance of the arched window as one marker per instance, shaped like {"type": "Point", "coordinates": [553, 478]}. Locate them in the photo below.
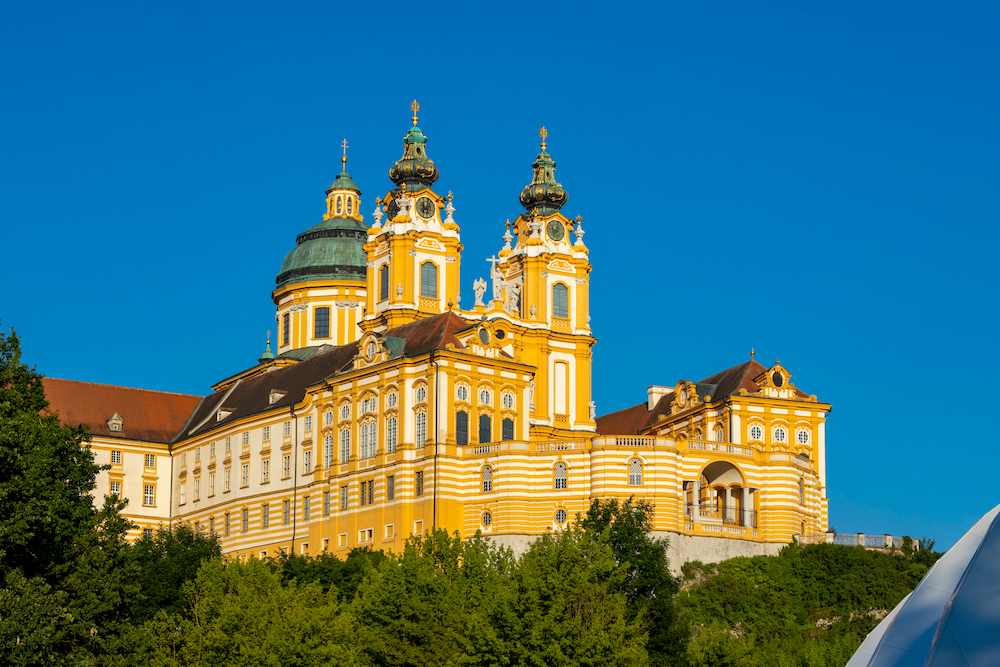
{"type": "Point", "coordinates": [340, 204]}
{"type": "Point", "coordinates": [508, 429]}
{"type": "Point", "coordinates": [350, 205]}
{"type": "Point", "coordinates": [561, 476]}
{"type": "Point", "coordinates": [720, 435]}
{"type": "Point", "coordinates": [327, 451]}
{"type": "Point", "coordinates": [390, 434]}
{"type": "Point", "coordinates": [321, 325]}
{"type": "Point", "coordinates": [429, 280]}
{"type": "Point", "coordinates": [383, 283]}
{"type": "Point", "coordinates": [487, 479]}
{"type": "Point", "coordinates": [560, 300]}
{"type": "Point", "coordinates": [363, 444]}
{"type": "Point", "coordinates": [462, 428]}
{"type": "Point", "coordinates": [373, 437]}
{"type": "Point", "coordinates": [421, 429]}
{"type": "Point", "coordinates": [328, 418]}
{"type": "Point", "coordinates": [485, 429]}
{"type": "Point", "coordinates": [345, 445]}
{"type": "Point", "coordinates": [286, 329]}
{"type": "Point", "coordinates": [635, 472]}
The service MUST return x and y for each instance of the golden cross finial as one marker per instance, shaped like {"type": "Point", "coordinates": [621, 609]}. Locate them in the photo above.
{"type": "Point", "coordinates": [343, 160]}
{"type": "Point", "coordinates": [415, 108]}
{"type": "Point", "coordinates": [544, 134]}
{"type": "Point", "coordinates": [268, 337]}
{"type": "Point", "coordinates": [751, 353]}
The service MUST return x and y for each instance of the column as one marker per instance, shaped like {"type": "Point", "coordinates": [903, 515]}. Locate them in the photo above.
{"type": "Point", "coordinates": [745, 507]}
{"type": "Point", "coordinates": [728, 498]}
{"type": "Point", "coordinates": [695, 512]}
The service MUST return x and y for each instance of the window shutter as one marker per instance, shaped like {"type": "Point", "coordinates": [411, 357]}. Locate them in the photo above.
{"type": "Point", "coordinates": [428, 280]}
{"type": "Point", "coordinates": [560, 300]}
{"type": "Point", "coordinates": [462, 428]}
{"type": "Point", "coordinates": [485, 430]}
{"type": "Point", "coordinates": [508, 429]}
{"type": "Point", "coordinates": [383, 283]}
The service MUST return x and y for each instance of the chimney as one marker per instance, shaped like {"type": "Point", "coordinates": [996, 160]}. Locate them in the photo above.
{"type": "Point", "coordinates": [654, 395]}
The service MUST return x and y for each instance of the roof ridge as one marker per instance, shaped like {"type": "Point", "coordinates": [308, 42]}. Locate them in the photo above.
{"type": "Point", "coordinates": [121, 386]}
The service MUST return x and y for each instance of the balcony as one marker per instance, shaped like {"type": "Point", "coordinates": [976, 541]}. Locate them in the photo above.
{"type": "Point", "coordinates": [709, 517]}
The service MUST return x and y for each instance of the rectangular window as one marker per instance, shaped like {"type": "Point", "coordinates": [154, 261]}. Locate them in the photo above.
{"type": "Point", "coordinates": [461, 428]}
{"type": "Point", "coordinates": [420, 483]}
{"type": "Point", "coordinates": [245, 477]}
{"type": "Point", "coordinates": [383, 282]}
{"type": "Point", "coordinates": [309, 422]}
{"type": "Point", "coordinates": [211, 484]}
{"type": "Point", "coordinates": [182, 493]}
{"type": "Point", "coordinates": [150, 460]}
{"type": "Point", "coordinates": [508, 429]}
{"type": "Point", "coordinates": [485, 429]}
{"type": "Point", "coordinates": [265, 471]}
{"type": "Point", "coordinates": [148, 495]}
{"type": "Point", "coordinates": [265, 515]}
{"type": "Point", "coordinates": [197, 488]}
{"type": "Point", "coordinates": [307, 462]}
{"type": "Point", "coordinates": [285, 511]}
{"type": "Point", "coordinates": [226, 480]}
{"type": "Point", "coordinates": [560, 300]}
{"type": "Point", "coordinates": [342, 540]}
{"type": "Point", "coordinates": [345, 445]}
{"type": "Point", "coordinates": [246, 439]}
{"type": "Point", "coordinates": [390, 531]}
{"type": "Point", "coordinates": [197, 454]}
{"type": "Point", "coordinates": [116, 458]}
{"type": "Point", "coordinates": [305, 508]}
{"type": "Point", "coordinates": [418, 527]}
{"type": "Point", "coordinates": [244, 520]}
{"type": "Point", "coordinates": [304, 549]}
{"type": "Point", "coordinates": [211, 449]}
{"type": "Point", "coordinates": [429, 280]}
{"type": "Point", "coordinates": [390, 435]}
{"type": "Point", "coordinates": [116, 489]}
{"type": "Point", "coordinates": [421, 429]}
{"type": "Point", "coordinates": [366, 535]}
{"type": "Point", "coordinates": [286, 321]}
{"type": "Point", "coordinates": [211, 526]}
{"type": "Point", "coordinates": [363, 496]}
{"type": "Point", "coordinates": [229, 440]}
{"type": "Point", "coordinates": [321, 323]}
{"type": "Point", "coordinates": [287, 429]}
{"type": "Point", "coordinates": [326, 503]}
{"type": "Point", "coordinates": [343, 497]}
{"type": "Point", "coordinates": [286, 466]}
{"type": "Point", "coordinates": [267, 433]}
{"type": "Point", "coordinates": [184, 459]}
{"type": "Point", "coordinates": [227, 525]}
{"type": "Point", "coordinates": [326, 544]}
{"type": "Point", "coordinates": [390, 487]}
{"type": "Point", "coordinates": [147, 532]}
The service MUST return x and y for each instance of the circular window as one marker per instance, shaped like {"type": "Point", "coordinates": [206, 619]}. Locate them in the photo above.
{"type": "Point", "coordinates": [484, 396]}
{"type": "Point", "coordinates": [508, 401]}
{"type": "Point", "coordinates": [345, 411]}
{"type": "Point", "coordinates": [777, 379]}
{"type": "Point", "coordinates": [484, 336]}
{"type": "Point", "coordinates": [370, 352]}
{"type": "Point", "coordinates": [720, 435]}
{"type": "Point", "coordinates": [390, 400]}
{"type": "Point", "coordinates": [756, 432]}
{"type": "Point", "coordinates": [462, 392]}
{"type": "Point", "coordinates": [500, 334]}
{"type": "Point", "coordinates": [560, 516]}
{"type": "Point", "coordinates": [779, 434]}
{"type": "Point", "coordinates": [487, 519]}
{"type": "Point", "coordinates": [803, 437]}
{"type": "Point", "coordinates": [421, 394]}
{"type": "Point", "coordinates": [328, 418]}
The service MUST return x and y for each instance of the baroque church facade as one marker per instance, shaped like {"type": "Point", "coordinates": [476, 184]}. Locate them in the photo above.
{"type": "Point", "coordinates": [389, 409]}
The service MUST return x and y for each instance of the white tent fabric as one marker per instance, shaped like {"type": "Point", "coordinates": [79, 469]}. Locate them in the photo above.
{"type": "Point", "coordinates": [952, 618]}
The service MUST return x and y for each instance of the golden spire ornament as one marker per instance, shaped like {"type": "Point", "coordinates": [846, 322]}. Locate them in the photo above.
{"type": "Point", "coordinates": [544, 134]}
{"type": "Point", "coordinates": [343, 160]}
{"type": "Point", "coordinates": [751, 353]}
{"type": "Point", "coordinates": [415, 108]}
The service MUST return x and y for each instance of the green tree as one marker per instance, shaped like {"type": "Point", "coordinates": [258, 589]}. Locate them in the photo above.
{"type": "Point", "coordinates": [166, 560]}
{"type": "Point", "coordinates": [646, 581]}
{"type": "Point", "coordinates": [240, 614]}
{"type": "Point", "coordinates": [329, 571]}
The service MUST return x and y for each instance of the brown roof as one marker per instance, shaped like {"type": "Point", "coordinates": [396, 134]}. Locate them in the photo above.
{"type": "Point", "coordinates": [635, 419]}
{"type": "Point", "coordinates": [153, 416]}
{"type": "Point", "coordinates": [252, 396]}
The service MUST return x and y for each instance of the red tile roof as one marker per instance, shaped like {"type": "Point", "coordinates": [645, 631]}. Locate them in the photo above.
{"type": "Point", "coordinates": [152, 416]}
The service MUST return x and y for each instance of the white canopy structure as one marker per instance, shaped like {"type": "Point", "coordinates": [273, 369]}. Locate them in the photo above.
{"type": "Point", "coordinates": [952, 618]}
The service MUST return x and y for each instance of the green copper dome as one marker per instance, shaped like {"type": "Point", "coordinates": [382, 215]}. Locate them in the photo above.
{"type": "Point", "coordinates": [543, 193]}
{"type": "Point", "coordinates": [344, 182]}
{"type": "Point", "coordinates": [414, 169]}
{"type": "Point", "coordinates": [330, 250]}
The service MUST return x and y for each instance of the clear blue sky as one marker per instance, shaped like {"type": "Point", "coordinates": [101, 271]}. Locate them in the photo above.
{"type": "Point", "coordinates": [816, 180]}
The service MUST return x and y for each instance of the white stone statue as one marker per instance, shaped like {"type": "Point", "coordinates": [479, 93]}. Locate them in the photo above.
{"type": "Point", "coordinates": [593, 410]}
{"type": "Point", "coordinates": [378, 214]}
{"type": "Point", "coordinates": [479, 287]}
{"type": "Point", "coordinates": [498, 282]}
{"type": "Point", "coordinates": [531, 395]}
{"type": "Point", "coordinates": [514, 292]}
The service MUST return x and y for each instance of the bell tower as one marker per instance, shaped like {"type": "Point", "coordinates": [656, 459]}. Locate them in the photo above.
{"type": "Point", "coordinates": [544, 282]}
{"type": "Point", "coordinates": [413, 254]}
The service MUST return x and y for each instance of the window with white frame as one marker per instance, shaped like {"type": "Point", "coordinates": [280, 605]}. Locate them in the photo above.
{"type": "Point", "coordinates": [367, 445]}
{"type": "Point", "coordinates": [803, 437]}
{"type": "Point", "coordinates": [328, 418]}
{"type": "Point", "coordinates": [226, 480]}
{"type": "Point", "coordinates": [345, 445]}
{"type": "Point", "coordinates": [227, 524]}
{"type": "Point", "coordinates": [265, 471]}
{"type": "Point", "coordinates": [635, 472]}
{"type": "Point", "coordinates": [245, 476]}
{"type": "Point", "coordinates": [286, 510]}
{"type": "Point", "coordinates": [508, 401]}
{"type": "Point", "coordinates": [421, 430]}
{"type": "Point", "coordinates": [462, 392]}
{"type": "Point", "coordinates": [390, 435]}
{"type": "Point", "coordinates": [343, 497]}
{"type": "Point", "coordinates": [148, 495]}
{"type": "Point", "coordinates": [305, 508]}
{"type": "Point", "coordinates": [184, 459]}
{"type": "Point", "coordinates": [246, 439]}
{"type": "Point", "coordinates": [307, 462]}
{"type": "Point", "coordinates": [267, 433]}
{"type": "Point", "coordinates": [420, 395]}
{"type": "Point", "coordinates": [428, 280]}
{"type": "Point", "coordinates": [391, 399]}
{"type": "Point", "coordinates": [286, 466]}
{"type": "Point", "coordinates": [244, 520]}
{"type": "Point", "coordinates": [197, 454]}
{"type": "Point", "coordinates": [390, 487]}
{"type": "Point", "coordinates": [756, 432]}
{"type": "Point", "coordinates": [487, 479]}
{"type": "Point", "coordinates": [211, 448]}
{"type": "Point", "coordinates": [197, 488]}
{"type": "Point", "coordinates": [150, 460]}
{"type": "Point", "coordinates": [560, 516]}
{"type": "Point", "coordinates": [228, 443]}
{"type": "Point", "coordinates": [345, 411]}
{"type": "Point", "coordinates": [116, 457]}
{"type": "Point", "coordinates": [720, 435]}
{"type": "Point", "coordinates": [211, 526]}
{"type": "Point", "coordinates": [211, 484]}
{"type": "Point", "coordinates": [309, 422]}
{"type": "Point", "coordinates": [560, 300]}
{"type": "Point", "coordinates": [328, 451]}
{"type": "Point", "coordinates": [265, 515]}
{"type": "Point", "coordinates": [485, 396]}
{"type": "Point", "coordinates": [326, 503]}
{"type": "Point", "coordinates": [419, 484]}
{"type": "Point", "coordinates": [780, 434]}
{"type": "Point", "coordinates": [116, 489]}
{"type": "Point", "coordinates": [286, 429]}
{"type": "Point", "coordinates": [561, 476]}
{"type": "Point", "coordinates": [183, 485]}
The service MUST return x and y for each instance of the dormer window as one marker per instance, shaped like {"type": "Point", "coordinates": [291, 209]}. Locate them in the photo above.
{"type": "Point", "coordinates": [222, 414]}
{"type": "Point", "coordinates": [275, 396]}
{"type": "Point", "coordinates": [115, 423]}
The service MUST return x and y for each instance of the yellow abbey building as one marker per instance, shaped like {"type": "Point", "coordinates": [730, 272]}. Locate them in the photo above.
{"type": "Point", "coordinates": [391, 408]}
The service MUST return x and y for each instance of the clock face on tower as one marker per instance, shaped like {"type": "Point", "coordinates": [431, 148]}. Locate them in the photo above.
{"type": "Point", "coordinates": [555, 230]}
{"type": "Point", "coordinates": [425, 208]}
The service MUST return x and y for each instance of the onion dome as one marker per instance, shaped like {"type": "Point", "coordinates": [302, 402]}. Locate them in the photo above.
{"type": "Point", "coordinates": [414, 169]}
{"type": "Point", "coordinates": [543, 194]}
